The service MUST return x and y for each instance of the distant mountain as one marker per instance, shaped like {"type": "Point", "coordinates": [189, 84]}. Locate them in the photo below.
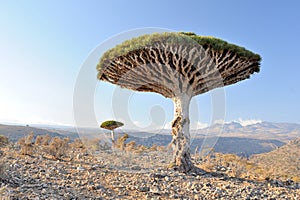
{"type": "Point", "coordinates": [14, 133]}
{"type": "Point", "coordinates": [228, 138]}
{"type": "Point", "coordinates": [231, 137]}
{"type": "Point", "coordinates": [235, 145]}
{"type": "Point", "coordinates": [264, 130]}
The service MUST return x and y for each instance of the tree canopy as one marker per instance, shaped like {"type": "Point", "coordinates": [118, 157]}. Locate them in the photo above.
{"type": "Point", "coordinates": [111, 124]}
{"type": "Point", "coordinates": [169, 63]}
{"type": "Point", "coordinates": [176, 37]}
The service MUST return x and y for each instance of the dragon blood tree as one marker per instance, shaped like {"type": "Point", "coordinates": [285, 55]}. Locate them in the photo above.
{"type": "Point", "coordinates": [178, 66]}
{"type": "Point", "coordinates": [111, 125]}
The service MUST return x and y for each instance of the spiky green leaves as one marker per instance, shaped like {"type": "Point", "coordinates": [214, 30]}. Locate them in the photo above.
{"type": "Point", "coordinates": [221, 45]}
{"type": "Point", "coordinates": [111, 125]}
{"type": "Point", "coordinates": [143, 41]}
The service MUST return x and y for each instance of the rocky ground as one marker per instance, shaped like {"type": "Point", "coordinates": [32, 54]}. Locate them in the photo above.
{"type": "Point", "coordinates": [118, 175]}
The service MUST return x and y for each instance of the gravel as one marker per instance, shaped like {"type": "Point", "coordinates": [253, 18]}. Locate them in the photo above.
{"type": "Point", "coordinates": [95, 177]}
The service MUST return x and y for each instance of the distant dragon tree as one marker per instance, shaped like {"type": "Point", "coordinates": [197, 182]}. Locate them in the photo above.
{"type": "Point", "coordinates": [111, 125]}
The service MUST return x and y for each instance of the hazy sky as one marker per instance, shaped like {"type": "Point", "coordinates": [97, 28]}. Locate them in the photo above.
{"type": "Point", "coordinates": [43, 45]}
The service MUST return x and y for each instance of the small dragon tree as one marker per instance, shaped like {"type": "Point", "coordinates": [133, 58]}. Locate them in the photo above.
{"type": "Point", "coordinates": [177, 66]}
{"type": "Point", "coordinates": [111, 125]}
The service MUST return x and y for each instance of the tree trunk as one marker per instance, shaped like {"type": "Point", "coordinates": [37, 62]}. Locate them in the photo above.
{"type": "Point", "coordinates": [181, 134]}
{"type": "Point", "coordinates": [112, 138]}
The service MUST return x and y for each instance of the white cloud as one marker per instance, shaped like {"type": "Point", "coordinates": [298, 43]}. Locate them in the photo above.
{"type": "Point", "coordinates": [49, 122]}
{"type": "Point", "coordinates": [198, 125]}
{"type": "Point", "coordinates": [219, 121]}
{"type": "Point", "coordinates": [249, 121]}
{"type": "Point", "coordinates": [193, 126]}
{"type": "Point", "coordinates": [168, 125]}
{"type": "Point", "coordinates": [137, 123]}
{"type": "Point", "coordinates": [34, 120]}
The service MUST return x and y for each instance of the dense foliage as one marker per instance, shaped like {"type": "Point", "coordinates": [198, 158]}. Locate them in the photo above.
{"type": "Point", "coordinates": [178, 38]}
{"type": "Point", "coordinates": [111, 124]}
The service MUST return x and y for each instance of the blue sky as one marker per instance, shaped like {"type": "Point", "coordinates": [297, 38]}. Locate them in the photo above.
{"type": "Point", "coordinates": [45, 43]}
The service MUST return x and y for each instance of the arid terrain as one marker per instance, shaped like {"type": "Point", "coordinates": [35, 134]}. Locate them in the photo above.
{"type": "Point", "coordinates": [48, 168]}
{"type": "Point", "coordinates": [234, 138]}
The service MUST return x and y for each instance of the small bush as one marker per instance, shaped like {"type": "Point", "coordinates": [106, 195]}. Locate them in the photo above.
{"type": "Point", "coordinates": [3, 141]}
{"type": "Point", "coordinates": [141, 148]}
{"type": "Point", "coordinates": [58, 147]}
{"type": "Point", "coordinates": [296, 179]}
{"type": "Point", "coordinates": [130, 146]}
{"type": "Point", "coordinates": [92, 144]}
{"type": "Point", "coordinates": [77, 143]}
{"type": "Point", "coordinates": [46, 140]}
{"type": "Point", "coordinates": [2, 169]}
{"type": "Point", "coordinates": [161, 148]}
{"type": "Point", "coordinates": [153, 148]}
{"type": "Point", "coordinates": [42, 140]}
{"type": "Point", "coordinates": [120, 144]}
{"type": "Point", "coordinates": [44, 144]}
{"type": "Point", "coordinates": [26, 144]}
{"type": "Point", "coordinates": [232, 165]}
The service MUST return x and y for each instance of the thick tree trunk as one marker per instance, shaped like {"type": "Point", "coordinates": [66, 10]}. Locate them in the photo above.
{"type": "Point", "coordinates": [181, 134]}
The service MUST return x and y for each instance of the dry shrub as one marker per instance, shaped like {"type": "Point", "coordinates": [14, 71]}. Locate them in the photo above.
{"type": "Point", "coordinates": [2, 173]}
{"type": "Point", "coordinates": [236, 164]}
{"type": "Point", "coordinates": [42, 140]}
{"type": "Point", "coordinates": [90, 144]}
{"type": "Point", "coordinates": [41, 144]}
{"type": "Point", "coordinates": [232, 165]}
{"type": "Point", "coordinates": [38, 140]}
{"type": "Point", "coordinates": [3, 141]}
{"type": "Point", "coordinates": [46, 140]}
{"type": "Point", "coordinates": [2, 168]}
{"type": "Point", "coordinates": [130, 146]}
{"type": "Point", "coordinates": [141, 149]}
{"type": "Point", "coordinates": [120, 144]}
{"type": "Point", "coordinates": [207, 164]}
{"type": "Point", "coordinates": [153, 148]}
{"type": "Point", "coordinates": [77, 143]}
{"type": "Point", "coordinates": [58, 147]}
{"type": "Point", "coordinates": [2, 176]}
{"type": "Point", "coordinates": [296, 179]}
{"type": "Point", "coordinates": [26, 144]}
{"type": "Point", "coordinates": [44, 144]}
{"type": "Point", "coordinates": [133, 147]}
{"type": "Point", "coordinates": [161, 148]}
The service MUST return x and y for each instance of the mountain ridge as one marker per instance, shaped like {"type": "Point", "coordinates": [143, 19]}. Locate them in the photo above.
{"type": "Point", "coordinates": [227, 138]}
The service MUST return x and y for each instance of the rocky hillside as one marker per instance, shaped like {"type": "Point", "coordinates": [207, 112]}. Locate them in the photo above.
{"type": "Point", "coordinates": [14, 133]}
{"type": "Point", "coordinates": [284, 161]}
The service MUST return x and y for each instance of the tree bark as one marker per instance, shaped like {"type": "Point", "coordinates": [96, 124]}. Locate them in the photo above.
{"type": "Point", "coordinates": [113, 138]}
{"type": "Point", "coordinates": [181, 134]}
